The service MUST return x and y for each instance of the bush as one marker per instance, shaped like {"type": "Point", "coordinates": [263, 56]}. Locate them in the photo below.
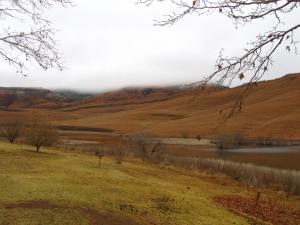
{"type": "Point", "coordinates": [198, 137]}
{"type": "Point", "coordinates": [240, 139]}
{"type": "Point", "coordinates": [165, 204]}
{"type": "Point", "coordinates": [146, 146]}
{"type": "Point", "coordinates": [139, 143]}
{"type": "Point", "coordinates": [11, 130]}
{"type": "Point", "coordinates": [118, 150]}
{"type": "Point", "coordinates": [267, 141]}
{"type": "Point", "coordinates": [41, 133]}
{"type": "Point", "coordinates": [223, 142]}
{"type": "Point", "coordinates": [227, 141]}
{"type": "Point", "coordinates": [264, 141]}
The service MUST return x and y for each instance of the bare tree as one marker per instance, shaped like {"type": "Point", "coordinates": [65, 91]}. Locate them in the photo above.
{"type": "Point", "coordinates": [118, 150]}
{"type": "Point", "coordinates": [32, 37]}
{"type": "Point", "coordinates": [257, 58]}
{"type": "Point", "coordinates": [11, 130]}
{"type": "Point", "coordinates": [41, 133]}
{"type": "Point", "coordinates": [223, 143]}
{"type": "Point", "coordinates": [140, 141]}
{"type": "Point", "coordinates": [230, 141]}
{"type": "Point", "coordinates": [146, 146]}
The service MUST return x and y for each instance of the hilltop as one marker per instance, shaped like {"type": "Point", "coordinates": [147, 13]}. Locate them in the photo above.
{"type": "Point", "coordinates": [12, 98]}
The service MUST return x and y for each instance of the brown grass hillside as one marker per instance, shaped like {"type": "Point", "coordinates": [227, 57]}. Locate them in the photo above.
{"type": "Point", "coordinates": [12, 98]}
{"type": "Point", "coordinates": [271, 109]}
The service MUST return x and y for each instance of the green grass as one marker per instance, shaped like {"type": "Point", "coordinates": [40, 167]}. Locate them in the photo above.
{"type": "Point", "coordinates": [59, 187]}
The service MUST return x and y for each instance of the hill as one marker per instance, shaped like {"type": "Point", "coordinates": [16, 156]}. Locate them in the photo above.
{"type": "Point", "coordinates": [71, 95]}
{"type": "Point", "coordinates": [271, 109]}
{"type": "Point", "coordinates": [12, 98]}
{"type": "Point", "coordinates": [128, 96]}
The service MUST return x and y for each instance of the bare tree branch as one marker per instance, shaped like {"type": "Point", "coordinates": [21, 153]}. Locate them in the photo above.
{"type": "Point", "coordinates": [258, 57]}
{"type": "Point", "coordinates": [36, 41]}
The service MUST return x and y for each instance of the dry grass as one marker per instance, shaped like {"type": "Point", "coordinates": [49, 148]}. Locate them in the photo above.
{"type": "Point", "coordinates": [57, 187]}
{"type": "Point", "coordinates": [271, 110]}
{"type": "Point", "coordinates": [247, 174]}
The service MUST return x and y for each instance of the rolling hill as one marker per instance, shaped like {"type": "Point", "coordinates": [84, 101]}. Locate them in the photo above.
{"type": "Point", "coordinates": [272, 109]}
{"type": "Point", "coordinates": [12, 98]}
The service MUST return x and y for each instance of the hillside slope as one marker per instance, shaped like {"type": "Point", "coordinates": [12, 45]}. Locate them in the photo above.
{"type": "Point", "coordinates": [128, 96]}
{"type": "Point", "coordinates": [271, 109]}
{"type": "Point", "coordinates": [29, 97]}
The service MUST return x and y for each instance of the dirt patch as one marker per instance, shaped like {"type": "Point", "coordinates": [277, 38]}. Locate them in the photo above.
{"type": "Point", "coordinates": [96, 217]}
{"type": "Point", "coordinates": [266, 210]}
{"type": "Point", "coordinates": [32, 205]}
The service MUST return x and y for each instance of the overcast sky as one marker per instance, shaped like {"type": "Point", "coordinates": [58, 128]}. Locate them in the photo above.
{"type": "Point", "coordinates": [113, 44]}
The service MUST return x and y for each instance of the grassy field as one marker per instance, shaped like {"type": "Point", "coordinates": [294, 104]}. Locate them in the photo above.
{"type": "Point", "coordinates": [61, 187]}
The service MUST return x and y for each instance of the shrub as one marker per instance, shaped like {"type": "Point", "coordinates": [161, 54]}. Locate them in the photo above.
{"type": "Point", "coordinates": [239, 139]}
{"type": "Point", "coordinates": [264, 141]}
{"type": "Point", "coordinates": [41, 133]}
{"type": "Point", "coordinates": [227, 141]}
{"type": "Point", "coordinates": [267, 141]}
{"type": "Point", "coordinates": [146, 146]}
{"type": "Point", "coordinates": [224, 142]}
{"type": "Point", "coordinates": [139, 142]}
{"type": "Point", "coordinates": [11, 130]}
{"type": "Point", "coordinates": [165, 204]}
{"type": "Point", "coordinates": [118, 151]}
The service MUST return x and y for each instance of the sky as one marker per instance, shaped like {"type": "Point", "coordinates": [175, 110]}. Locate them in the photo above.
{"type": "Point", "coordinates": [113, 44]}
